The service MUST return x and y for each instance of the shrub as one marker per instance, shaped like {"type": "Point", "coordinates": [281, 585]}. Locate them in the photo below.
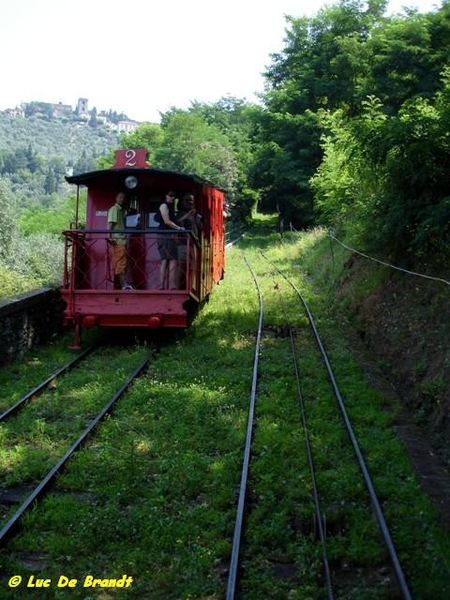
{"type": "Point", "coordinates": [14, 283]}
{"type": "Point", "coordinates": [39, 257]}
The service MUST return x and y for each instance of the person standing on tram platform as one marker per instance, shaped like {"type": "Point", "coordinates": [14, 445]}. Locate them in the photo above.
{"type": "Point", "coordinates": [191, 220]}
{"type": "Point", "coordinates": [168, 242]}
{"type": "Point", "coordinates": [117, 220]}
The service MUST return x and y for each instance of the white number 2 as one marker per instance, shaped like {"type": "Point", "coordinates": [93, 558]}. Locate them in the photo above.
{"type": "Point", "coordinates": [130, 156]}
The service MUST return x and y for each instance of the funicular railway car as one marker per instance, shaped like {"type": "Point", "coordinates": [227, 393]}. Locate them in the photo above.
{"type": "Point", "coordinates": [90, 291]}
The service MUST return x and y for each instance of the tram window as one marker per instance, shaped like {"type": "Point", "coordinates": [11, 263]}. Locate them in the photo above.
{"type": "Point", "coordinates": [151, 220]}
{"type": "Point", "coordinates": [133, 220]}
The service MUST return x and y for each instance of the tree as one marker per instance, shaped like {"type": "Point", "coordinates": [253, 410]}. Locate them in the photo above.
{"type": "Point", "coordinates": [324, 61]}
{"type": "Point", "coordinates": [347, 185]}
{"type": "Point", "coordinates": [8, 227]}
{"type": "Point", "coordinates": [210, 140]}
{"type": "Point", "coordinates": [386, 179]}
{"type": "Point", "coordinates": [93, 122]}
{"type": "Point", "coordinates": [34, 161]}
{"type": "Point", "coordinates": [320, 87]}
{"type": "Point", "coordinates": [402, 64]}
{"type": "Point", "coordinates": [190, 144]}
{"type": "Point", "coordinates": [322, 67]}
{"type": "Point", "coordinates": [84, 164]}
{"type": "Point", "coordinates": [53, 219]}
{"type": "Point", "coordinates": [148, 136]}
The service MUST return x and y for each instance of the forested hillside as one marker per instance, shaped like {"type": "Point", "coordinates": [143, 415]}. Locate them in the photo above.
{"type": "Point", "coordinates": [54, 137]}
{"type": "Point", "coordinates": [35, 153]}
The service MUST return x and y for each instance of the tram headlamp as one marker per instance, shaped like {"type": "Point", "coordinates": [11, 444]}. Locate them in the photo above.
{"type": "Point", "coordinates": [131, 182]}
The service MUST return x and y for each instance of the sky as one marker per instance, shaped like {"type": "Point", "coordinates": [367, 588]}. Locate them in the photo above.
{"type": "Point", "coordinates": [142, 57]}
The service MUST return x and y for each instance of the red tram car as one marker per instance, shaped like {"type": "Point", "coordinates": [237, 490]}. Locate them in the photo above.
{"type": "Point", "coordinates": [89, 291]}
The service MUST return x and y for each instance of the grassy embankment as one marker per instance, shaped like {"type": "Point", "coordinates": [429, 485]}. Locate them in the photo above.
{"type": "Point", "coordinates": [159, 481]}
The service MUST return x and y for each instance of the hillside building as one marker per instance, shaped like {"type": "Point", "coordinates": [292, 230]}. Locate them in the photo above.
{"type": "Point", "coordinates": [82, 107]}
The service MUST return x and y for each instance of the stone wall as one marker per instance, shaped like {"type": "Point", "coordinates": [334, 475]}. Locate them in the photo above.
{"type": "Point", "coordinates": [27, 320]}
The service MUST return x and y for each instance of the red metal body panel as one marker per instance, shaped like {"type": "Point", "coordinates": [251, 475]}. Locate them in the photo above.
{"type": "Point", "coordinates": [88, 287]}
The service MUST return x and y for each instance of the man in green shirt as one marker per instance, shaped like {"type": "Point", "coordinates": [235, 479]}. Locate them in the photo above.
{"type": "Point", "coordinates": [116, 220]}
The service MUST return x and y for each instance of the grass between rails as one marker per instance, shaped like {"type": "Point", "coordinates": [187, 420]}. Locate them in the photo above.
{"type": "Point", "coordinates": [31, 441]}
{"type": "Point", "coordinates": [423, 546]}
{"type": "Point", "coordinates": [20, 377]}
{"type": "Point", "coordinates": [153, 494]}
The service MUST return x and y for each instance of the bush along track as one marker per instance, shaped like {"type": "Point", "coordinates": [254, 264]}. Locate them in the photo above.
{"type": "Point", "coordinates": [153, 494]}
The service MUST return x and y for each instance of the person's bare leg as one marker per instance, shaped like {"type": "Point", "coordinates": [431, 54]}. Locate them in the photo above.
{"type": "Point", "coordinates": [162, 274]}
{"type": "Point", "coordinates": [173, 275]}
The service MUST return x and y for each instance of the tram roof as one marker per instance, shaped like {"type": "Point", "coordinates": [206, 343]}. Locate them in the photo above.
{"type": "Point", "coordinates": [121, 173]}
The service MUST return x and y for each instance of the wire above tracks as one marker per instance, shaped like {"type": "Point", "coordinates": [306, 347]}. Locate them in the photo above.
{"type": "Point", "coordinates": [386, 264]}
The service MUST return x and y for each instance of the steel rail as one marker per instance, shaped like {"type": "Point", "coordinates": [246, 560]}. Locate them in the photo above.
{"type": "Point", "coordinates": [43, 486]}
{"type": "Point", "coordinates": [234, 561]}
{"type": "Point", "coordinates": [401, 580]}
{"type": "Point", "coordinates": [38, 389]}
{"type": "Point", "coordinates": [309, 454]}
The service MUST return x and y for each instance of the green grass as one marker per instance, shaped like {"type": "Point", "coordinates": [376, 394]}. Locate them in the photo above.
{"type": "Point", "coordinates": [153, 494]}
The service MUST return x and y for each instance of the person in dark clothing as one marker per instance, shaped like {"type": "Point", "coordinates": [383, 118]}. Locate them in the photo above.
{"type": "Point", "coordinates": [192, 222]}
{"type": "Point", "coordinates": [168, 243]}
{"type": "Point", "coordinates": [187, 215]}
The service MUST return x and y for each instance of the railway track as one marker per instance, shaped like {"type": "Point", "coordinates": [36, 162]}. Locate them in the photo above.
{"type": "Point", "coordinates": [157, 493]}
{"type": "Point", "coordinates": [330, 577]}
{"type": "Point", "coordinates": [43, 385]}
{"type": "Point", "coordinates": [28, 494]}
